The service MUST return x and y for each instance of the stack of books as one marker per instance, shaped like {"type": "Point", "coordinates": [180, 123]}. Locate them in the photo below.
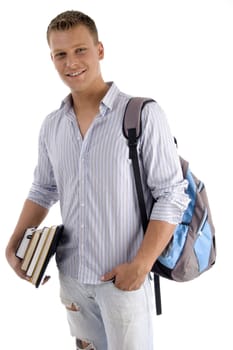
{"type": "Point", "coordinates": [36, 249]}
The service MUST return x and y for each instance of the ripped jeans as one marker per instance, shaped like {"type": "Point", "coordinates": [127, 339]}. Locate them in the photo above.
{"type": "Point", "coordinates": [102, 317]}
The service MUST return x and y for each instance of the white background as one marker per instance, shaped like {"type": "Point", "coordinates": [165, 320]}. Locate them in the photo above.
{"type": "Point", "coordinates": [180, 53]}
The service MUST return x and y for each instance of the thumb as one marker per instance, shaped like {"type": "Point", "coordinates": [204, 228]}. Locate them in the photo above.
{"type": "Point", "coordinates": [108, 276]}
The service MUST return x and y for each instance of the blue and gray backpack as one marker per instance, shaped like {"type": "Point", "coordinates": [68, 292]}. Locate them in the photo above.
{"type": "Point", "coordinates": [192, 249]}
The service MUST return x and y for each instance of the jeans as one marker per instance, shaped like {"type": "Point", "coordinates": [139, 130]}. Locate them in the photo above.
{"type": "Point", "coordinates": [107, 318]}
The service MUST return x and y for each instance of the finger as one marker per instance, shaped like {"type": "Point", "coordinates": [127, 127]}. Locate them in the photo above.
{"type": "Point", "coordinates": [22, 275]}
{"type": "Point", "coordinates": [109, 276]}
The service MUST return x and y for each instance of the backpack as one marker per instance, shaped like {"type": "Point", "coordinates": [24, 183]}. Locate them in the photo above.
{"type": "Point", "coordinates": [192, 249]}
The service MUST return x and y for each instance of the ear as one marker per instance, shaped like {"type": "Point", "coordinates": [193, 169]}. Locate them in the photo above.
{"type": "Point", "coordinates": [100, 50]}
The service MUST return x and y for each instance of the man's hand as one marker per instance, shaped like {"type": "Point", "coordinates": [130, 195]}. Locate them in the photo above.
{"type": "Point", "coordinates": [127, 277]}
{"type": "Point", "coordinates": [130, 276]}
{"type": "Point", "coordinates": [15, 263]}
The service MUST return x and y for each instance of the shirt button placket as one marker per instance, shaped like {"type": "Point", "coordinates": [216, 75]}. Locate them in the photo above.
{"type": "Point", "coordinates": [82, 207]}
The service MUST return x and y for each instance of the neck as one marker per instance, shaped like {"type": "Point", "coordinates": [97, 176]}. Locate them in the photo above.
{"type": "Point", "coordinates": [89, 99]}
{"type": "Point", "coordinates": [86, 105]}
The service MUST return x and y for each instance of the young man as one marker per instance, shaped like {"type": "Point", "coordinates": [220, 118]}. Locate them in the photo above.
{"type": "Point", "coordinates": [103, 258]}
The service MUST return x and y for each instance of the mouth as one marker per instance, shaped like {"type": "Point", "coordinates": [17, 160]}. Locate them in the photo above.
{"type": "Point", "coordinates": [75, 74]}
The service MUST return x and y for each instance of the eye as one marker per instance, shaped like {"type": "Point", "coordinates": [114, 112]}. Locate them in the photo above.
{"type": "Point", "coordinates": [59, 55]}
{"type": "Point", "coordinates": [81, 50]}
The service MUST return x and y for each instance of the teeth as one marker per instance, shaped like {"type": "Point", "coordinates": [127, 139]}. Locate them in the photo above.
{"type": "Point", "coordinates": [75, 74]}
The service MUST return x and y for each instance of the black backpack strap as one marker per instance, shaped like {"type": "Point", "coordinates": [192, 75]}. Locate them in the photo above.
{"type": "Point", "coordinates": [132, 143]}
{"type": "Point", "coordinates": [132, 131]}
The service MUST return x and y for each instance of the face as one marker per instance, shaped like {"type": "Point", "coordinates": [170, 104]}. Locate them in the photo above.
{"type": "Point", "coordinates": [76, 57]}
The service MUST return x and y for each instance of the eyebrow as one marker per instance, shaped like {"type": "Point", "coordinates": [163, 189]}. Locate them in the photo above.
{"type": "Point", "coordinates": [73, 47]}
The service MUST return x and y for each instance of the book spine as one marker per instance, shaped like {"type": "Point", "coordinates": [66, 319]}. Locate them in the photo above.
{"type": "Point", "coordinates": [37, 252]}
{"type": "Point", "coordinates": [44, 257]}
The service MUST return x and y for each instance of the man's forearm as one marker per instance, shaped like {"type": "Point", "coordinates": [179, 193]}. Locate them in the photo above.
{"type": "Point", "coordinates": [157, 236]}
{"type": "Point", "coordinates": [130, 276]}
{"type": "Point", "coordinates": [32, 215]}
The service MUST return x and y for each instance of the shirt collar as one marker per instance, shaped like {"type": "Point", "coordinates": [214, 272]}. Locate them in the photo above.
{"type": "Point", "coordinates": [111, 95]}
{"type": "Point", "coordinates": [66, 102]}
{"type": "Point", "coordinates": [107, 103]}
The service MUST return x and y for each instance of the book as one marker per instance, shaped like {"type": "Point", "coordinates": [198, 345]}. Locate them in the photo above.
{"type": "Point", "coordinates": [22, 247]}
{"type": "Point", "coordinates": [38, 252]}
{"type": "Point", "coordinates": [47, 252]}
{"type": "Point", "coordinates": [31, 249]}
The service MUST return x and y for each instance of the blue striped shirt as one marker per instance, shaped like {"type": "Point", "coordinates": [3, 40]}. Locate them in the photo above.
{"type": "Point", "coordinates": [92, 177]}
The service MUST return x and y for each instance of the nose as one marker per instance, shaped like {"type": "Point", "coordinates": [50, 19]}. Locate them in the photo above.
{"type": "Point", "coordinates": [71, 62]}
{"type": "Point", "coordinates": [71, 65]}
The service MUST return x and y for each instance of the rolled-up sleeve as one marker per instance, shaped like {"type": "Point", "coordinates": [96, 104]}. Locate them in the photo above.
{"type": "Point", "coordinates": [162, 167]}
{"type": "Point", "coordinates": [44, 189]}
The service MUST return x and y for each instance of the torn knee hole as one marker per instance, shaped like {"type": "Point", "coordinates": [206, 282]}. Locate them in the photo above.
{"type": "Point", "coordinates": [72, 307]}
{"type": "Point", "coordinates": [84, 345]}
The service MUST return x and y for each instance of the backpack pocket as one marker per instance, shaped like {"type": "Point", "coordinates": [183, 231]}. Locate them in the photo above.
{"type": "Point", "coordinates": [172, 253]}
{"type": "Point", "coordinates": [203, 243]}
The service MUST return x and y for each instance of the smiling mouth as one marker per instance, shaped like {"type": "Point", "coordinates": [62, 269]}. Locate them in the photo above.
{"type": "Point", "coordinates": [75, 74]}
